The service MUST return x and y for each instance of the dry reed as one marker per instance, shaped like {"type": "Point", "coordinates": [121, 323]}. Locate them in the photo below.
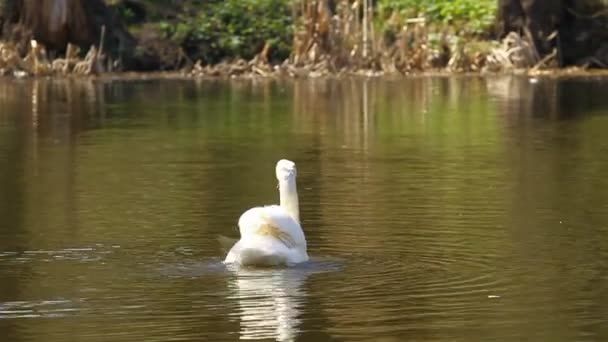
{"type": "Point", "coordinates": [37, 62]}
{"type": "Point", "coordinates": [338, 38]}
{"type": "Point", "coordinates": [346, 40]}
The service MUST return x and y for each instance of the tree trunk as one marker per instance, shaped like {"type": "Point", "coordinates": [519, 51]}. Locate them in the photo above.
{"type": "Point", "coordinates": [576, 29]}
{"type": "Point", "coordinates": [55, 23]}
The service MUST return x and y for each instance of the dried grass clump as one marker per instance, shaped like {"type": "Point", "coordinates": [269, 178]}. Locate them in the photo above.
{"type": "Point", "coordinates": [519, 52]}
{"type": "Point", "coordinates": [334, 42]}
{"type": "Point", "coordinates": [37, 63]}
{"type": "Point", "coordinates": [257, 67]}
{"type": "Point", "coordinates": [514, 53]}
{"type": "Point", "coordinates": [346, 42]}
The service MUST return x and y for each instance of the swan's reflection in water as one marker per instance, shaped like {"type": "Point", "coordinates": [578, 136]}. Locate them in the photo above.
{"type": "Point", "coordinates": [270, 302]}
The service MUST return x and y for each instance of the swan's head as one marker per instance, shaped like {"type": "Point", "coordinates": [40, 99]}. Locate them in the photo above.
{"type": "Point", "coordinates": [286, 170]}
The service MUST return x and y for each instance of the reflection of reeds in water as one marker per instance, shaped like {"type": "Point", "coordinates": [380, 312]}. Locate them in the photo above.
{"type": "Point", "coordinates": [44, 113]}
{"type": "Point", "coordinates": [47, 116]}
{"type": "Point", "coordinates": [336, 109]}
{"type": "Point", "coordinates": [521, 99]}
{"type": "Point", "coordinates": [355, 110]}
{"type": "Point", "coordinates": [343, 114]}
{"type": "Point", "coordinates": [368, 130]}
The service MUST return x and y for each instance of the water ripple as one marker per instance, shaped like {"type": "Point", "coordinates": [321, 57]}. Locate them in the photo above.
{"type": "Point", "coordinates": [38, 309]}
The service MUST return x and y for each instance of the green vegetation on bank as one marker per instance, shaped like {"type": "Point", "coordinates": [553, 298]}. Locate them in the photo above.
{"type": "Point", "coordinates": [302, 37]}
{"type": "Point", "coordinates": [471, 16]}
{"type": "Point", "coordinates": [233, 28]}
{"type": "Point", "coordinates": [218, 30]}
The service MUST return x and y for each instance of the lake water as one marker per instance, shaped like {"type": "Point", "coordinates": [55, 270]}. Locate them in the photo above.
{"type": "Point", "coordinates": [436, 209]}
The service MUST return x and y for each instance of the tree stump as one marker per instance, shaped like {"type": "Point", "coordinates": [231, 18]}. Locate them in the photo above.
{"type": "Point", "coordinates": [575, 30]}
{"type": "Point", "coordinates": [57, 23]}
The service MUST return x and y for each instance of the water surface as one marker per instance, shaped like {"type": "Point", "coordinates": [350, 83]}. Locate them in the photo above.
{"type": "Point", "coordinates": [455, 209]}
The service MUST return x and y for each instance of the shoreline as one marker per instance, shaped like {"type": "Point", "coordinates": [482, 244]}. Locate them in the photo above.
{"type": "Point", "coordinates": [572, 72]}
{"type": "Point", "coordinates": [359, 40]}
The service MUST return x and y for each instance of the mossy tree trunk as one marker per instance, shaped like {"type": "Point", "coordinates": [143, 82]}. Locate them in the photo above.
{"type": "Point", "coordinates": [55, 23]}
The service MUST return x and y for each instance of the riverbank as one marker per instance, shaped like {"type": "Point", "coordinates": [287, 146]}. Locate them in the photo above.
{"type": "Point", "coordinates": [296, 39]}
{"type": "Point", "coordinates": [512, 55]}
{"type": "Point", "coordinates": [92, 66]}
{"type": "Point", "coordinates": [534, 76]}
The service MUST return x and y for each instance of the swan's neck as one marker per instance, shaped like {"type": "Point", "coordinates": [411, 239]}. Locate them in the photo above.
{"type": "Point", "coordinates": [289, 198]}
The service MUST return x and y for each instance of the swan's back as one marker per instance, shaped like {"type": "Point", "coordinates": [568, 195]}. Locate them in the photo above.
{"type": "Point", "coordinates": [257, 218]}
{"type": "Point", "coordinates": [269, 237]}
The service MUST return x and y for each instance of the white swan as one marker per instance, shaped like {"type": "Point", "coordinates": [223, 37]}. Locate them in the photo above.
{"type": "Point", "coordinates": [272, 235]}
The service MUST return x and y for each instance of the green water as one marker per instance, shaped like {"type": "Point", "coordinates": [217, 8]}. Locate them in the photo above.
{"type": "Point", "coordinates": [435, 209]}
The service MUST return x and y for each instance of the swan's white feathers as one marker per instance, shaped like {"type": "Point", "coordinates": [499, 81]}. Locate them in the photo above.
{"type": "Point", "coordinates": [285, 169]}
{"type": "Point", "coordinates": [259, 251]}
{"type": "Point", "coordinates": [272, 221]}
{"type": "Point", "coordinates": [271, 235]}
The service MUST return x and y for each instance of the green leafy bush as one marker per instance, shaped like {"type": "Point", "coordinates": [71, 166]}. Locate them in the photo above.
{"type": "Point", "coordinates": [235, 28]}
{"type": "Point", "coordinates": [472, 15]}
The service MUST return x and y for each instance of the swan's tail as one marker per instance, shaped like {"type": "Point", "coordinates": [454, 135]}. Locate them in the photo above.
{"type": "Point", "coordinates": [257, 257]}
{"type": "Point", "coordinates": [226, 243]}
